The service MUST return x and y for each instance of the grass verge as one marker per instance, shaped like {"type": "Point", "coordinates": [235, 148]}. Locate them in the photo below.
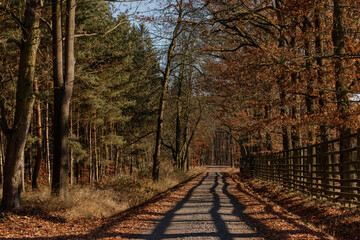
{"type": "Point", "coordinates": [106, 198]}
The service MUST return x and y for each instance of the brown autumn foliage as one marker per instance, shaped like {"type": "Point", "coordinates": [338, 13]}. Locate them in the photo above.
{"type": "Point", "coordinates": [275, 69]}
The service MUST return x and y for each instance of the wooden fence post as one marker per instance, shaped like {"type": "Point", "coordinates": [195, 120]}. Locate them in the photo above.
{"type": "Point", "coordinates": [289, 170]}
{"type": "Point", "coordinates": [346, 168]}
{"type": "Point", "coordinates": [357, 166]}
{"type": "Point", "coordinates": [302, 170]}
{"type": "Point", "coordinates": [329, 170]}
{"type": "Point", "coordinates": [310, 163]}
{"type": "Point", "coordinates": [325, 168]}
{"type": "Point", "coordinates": [333, 168]}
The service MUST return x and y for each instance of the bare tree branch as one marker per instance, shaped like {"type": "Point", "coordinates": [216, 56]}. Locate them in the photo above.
{"type": "Point", "coordinates": [102, 33]}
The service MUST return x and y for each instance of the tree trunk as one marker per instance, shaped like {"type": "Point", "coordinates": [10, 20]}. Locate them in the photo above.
{"type": "Point", "coordinates": [183, 153]}
{"type": "Point", "coordinates": [116, 161]}
{"type": "Point", "coordinates": [232, 163]}
{"type": "Point", "coordinates": [63, 88]}
{"type": "Point", "coordinates": [39, 152]}
{"type": "Point", "coordinates": [324, 130]}
{"type": "Point", "coordinates": [268, 116]}
{"type": "Point", "coordinates": [187, 144]}
{"type": "Point", "coordinates": [160, 120]}
{"type": "Point", "coordinates": [285, 109]}
{"type": "Point", "coordinates": [343, 104]}
{"type": "Point", "coordinates": [179, 143]}
{"type": "Point", "coordinates": [78, 164]}
{"type": "Point", "coordinates": [338, 37]}
{"type": "Point", "coordinates": [90, 152]}
{"type": "Point", "coordinates": [310, 97]}
{"type": "Point", "coordinates": [121, 162]}
{"type": "Point", "coordinates": [71, 154]}
{"type": "Point", "coordinates": [47, 142]}
{"type": "Point", "coordinates": [95, 156]}
{"type": "Point", "coordinates": [178, 121]}
{"type": "Point", "coordinates": [1, 159]}
{"type": "Point", "coordinates": [319, 48]}
{"type": "Point", "coordinates": [16, 137]}
{"type": "Point", "coordinates": [296, 115]}
{"type": "Point", "coordinates": [296, 106]}
{"type": "Point", "coordinates": [58, 76]}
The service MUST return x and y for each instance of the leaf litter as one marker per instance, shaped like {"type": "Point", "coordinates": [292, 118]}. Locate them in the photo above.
{"type": "Point", "coordinates": [272, 220]}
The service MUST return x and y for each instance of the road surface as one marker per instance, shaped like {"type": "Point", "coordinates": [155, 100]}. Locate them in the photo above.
{"type": "Point", "coordinates": [208, 211]}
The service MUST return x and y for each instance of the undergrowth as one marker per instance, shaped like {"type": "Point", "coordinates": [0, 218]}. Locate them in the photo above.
{"type": "Point", "coordinates": [108, 197]}
{"type": "Point", "coordinates": [341, 223]}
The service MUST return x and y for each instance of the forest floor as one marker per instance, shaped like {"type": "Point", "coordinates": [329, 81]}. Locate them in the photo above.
{"type": "Point", "coordinates": [337, 221]}
{"type": "Point", "coordinates": [226, 198]}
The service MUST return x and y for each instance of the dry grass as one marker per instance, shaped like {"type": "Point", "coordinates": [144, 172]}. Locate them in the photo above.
{"type": "Point", "coordinates": [230, 169]}
{"type": "Point", "coordinates": [104, 199]}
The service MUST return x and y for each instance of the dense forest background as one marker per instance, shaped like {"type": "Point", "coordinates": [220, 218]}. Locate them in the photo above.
{"type": "Point", "coordinates": [88, 91]}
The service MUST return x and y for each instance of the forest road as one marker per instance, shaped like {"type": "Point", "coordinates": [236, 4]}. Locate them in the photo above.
{"type": "Point", "coordinates": [208, 211]}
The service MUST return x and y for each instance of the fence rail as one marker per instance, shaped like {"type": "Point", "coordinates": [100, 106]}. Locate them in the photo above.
{"type": "Point", "coordinates": [328, 171]}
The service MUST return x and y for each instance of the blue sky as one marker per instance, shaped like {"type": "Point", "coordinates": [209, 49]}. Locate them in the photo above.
{"type": "Point", "coordinates": [143, 7]}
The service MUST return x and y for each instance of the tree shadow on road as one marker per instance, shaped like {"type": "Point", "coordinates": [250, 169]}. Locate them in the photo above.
{"type": "Point", "coordinates": [222, 231]}
{"type": "Point", "coordinates": [215, 216]}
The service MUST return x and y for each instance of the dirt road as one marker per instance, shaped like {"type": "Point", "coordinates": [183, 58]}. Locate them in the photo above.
{"type": "Point", "coordinates": [214, 205]}
{"type": "Point", "coordinates": [208, 211]}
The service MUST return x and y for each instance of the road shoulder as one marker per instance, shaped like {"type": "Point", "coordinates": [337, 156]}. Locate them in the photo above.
{"type": "Point", "coordinates": [271, 219]}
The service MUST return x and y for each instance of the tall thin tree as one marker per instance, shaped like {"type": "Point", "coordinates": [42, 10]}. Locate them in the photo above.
{"type": "Point", "coordinates": [164, 83]}
{"type": "Point", "coordinates": [63, 88]}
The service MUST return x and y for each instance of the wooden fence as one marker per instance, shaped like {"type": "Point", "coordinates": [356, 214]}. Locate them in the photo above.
{"type": "Point", "coordinates": [328, 171]}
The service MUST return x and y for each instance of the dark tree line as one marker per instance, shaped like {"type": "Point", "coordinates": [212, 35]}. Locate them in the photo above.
{"type": "Point", "coordinates": [80, 88]}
